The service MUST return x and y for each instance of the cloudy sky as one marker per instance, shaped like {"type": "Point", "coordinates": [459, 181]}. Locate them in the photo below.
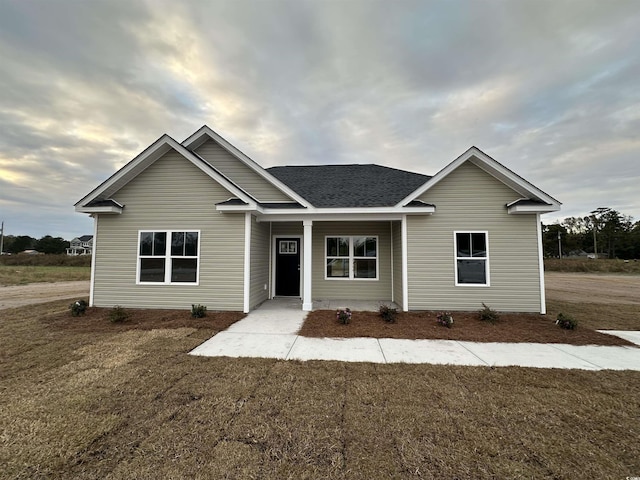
{"type": "Point", "coordinates": [551, 89]}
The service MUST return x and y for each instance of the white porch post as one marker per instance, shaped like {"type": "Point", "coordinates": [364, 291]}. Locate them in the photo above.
{"type": "Point", "coordinates": [405, 265]}
{"type": "Point", "coordinates": [307, 301]}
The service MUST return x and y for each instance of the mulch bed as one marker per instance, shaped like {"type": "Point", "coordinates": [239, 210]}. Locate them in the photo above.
{"type": "Point", "coordinates": [511, 327]}
{"type": "Point", "coordinates": [97, 319]}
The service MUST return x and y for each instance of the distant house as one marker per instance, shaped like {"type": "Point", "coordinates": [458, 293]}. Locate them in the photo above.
{"type": "Point", "coordinates": [200, 222]}
{"type": "Point", "coordinates": [81, 245]}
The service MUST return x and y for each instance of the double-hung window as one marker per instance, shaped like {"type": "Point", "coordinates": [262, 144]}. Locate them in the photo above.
{"type": "Point", "coordinates": [168, 257]}
{"type": "Point", "coordinates": [472, 258]}
{"type": "Point", "coordinates": [353, 258]}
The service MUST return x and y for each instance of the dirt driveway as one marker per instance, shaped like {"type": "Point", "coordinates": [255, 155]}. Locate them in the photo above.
{"type": "Point", "coordinates": [591, 288]}
{"type": "Point", "coordinates": [20, 295]}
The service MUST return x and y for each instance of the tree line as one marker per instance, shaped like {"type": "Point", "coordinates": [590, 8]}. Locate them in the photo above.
{"type": "Point", "coordinates": [605, 232]}
{"type": "Point", "coordinates": [46, 244]}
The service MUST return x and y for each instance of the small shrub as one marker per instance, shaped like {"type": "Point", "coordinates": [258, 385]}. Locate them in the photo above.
{"type": "Point", "coordinates": [344, 316]}
{"type": "Point", "coordinates": [388, 314]}
{"type": "Point", "coordinates": [566, 321]}
{"type": "Point", "coordinates": [488, 315]}
{"type": "Point", "coordinates": [78, 308]}
{"type": "Point", "coordinates": [445, 319]}
{"type": "Point", "coordinates": [118, 314]}
{"type": "Point", "coordinates": [198, 311]}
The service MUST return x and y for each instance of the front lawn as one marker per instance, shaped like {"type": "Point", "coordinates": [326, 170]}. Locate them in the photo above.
{"type": "Point", "coordinates": [121, 402]}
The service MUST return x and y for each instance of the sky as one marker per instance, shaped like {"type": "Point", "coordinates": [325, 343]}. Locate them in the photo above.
{"type": "Point", "coordinates": [550, 89]}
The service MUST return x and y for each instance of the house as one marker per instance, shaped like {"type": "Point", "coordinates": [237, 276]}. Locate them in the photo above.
{"type": "Point", "coordinates": [199, 222]}
{"type": "Point", "coordinates": [81, 245]}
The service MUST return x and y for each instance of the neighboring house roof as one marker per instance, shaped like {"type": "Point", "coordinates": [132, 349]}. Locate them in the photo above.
{"type": "Point", "coordinates": [85, 238]}
{"type": "Point", "coordinates": [344, 186]}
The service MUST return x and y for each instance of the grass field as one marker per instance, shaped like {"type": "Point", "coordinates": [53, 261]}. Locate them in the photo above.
{"type": "Point", "coordinates": [586, 265]}
{"type": "Point", "coordinates": [89, 402]}
{"type": "Point", "coordinates": [23, 274]}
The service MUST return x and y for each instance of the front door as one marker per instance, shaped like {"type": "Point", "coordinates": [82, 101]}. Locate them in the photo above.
{"type": "Point", "coordinates": [288, 267]}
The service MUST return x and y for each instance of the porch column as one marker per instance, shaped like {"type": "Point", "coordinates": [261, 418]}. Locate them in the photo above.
{"type": "Point", "coordinates": [307, 301]}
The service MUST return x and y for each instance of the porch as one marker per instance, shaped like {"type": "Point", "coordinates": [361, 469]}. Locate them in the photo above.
{"type": "Point", "coordinates": [316, 260]}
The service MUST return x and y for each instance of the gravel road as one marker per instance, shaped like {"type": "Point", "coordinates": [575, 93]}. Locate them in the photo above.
{"type": "Point", "coordinates": [20, 295]}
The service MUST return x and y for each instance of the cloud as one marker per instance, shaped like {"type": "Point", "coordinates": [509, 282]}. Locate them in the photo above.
{"type": "Point", "coordinates": [548, 89]}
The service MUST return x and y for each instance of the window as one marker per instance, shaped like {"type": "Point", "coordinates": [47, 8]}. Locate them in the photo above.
{"type": "Point", "coordinates": [471, 258]}
{"type": "Point", "coordinates": [354, 258]}
{"type": "Point", "coordinates": [288, 247]}
{"type": "Point", "coordinates": [168, 257]}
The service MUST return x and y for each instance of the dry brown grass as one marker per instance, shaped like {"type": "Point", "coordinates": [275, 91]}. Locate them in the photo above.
{"type": "Point", "coordinates": [511, 327]}
{"type": "Point", "coordinates": [597, 315]}
{"type": "Point", "coordinates": [586, 265]}
{"type": "Point", "coordinates": [118, 403]}
{"type": "Point", "coordinates": [23, 274]}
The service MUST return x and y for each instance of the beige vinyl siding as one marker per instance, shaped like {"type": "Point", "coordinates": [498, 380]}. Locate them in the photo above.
{"type": "Point", "coordinates": [286, 228]}
{"type": "Point", "coordinates": [351, 289]}
{"type": "Point", "coordinates": [259, 263]}
{"type": "Point", "coordinates": [470, 199]}
{"type": "Point", "coordinates": [396, 232]}
{"type": "Point", "coordinates": [171, 194]}
{"type": "Point", "coordinates": [239, 173]}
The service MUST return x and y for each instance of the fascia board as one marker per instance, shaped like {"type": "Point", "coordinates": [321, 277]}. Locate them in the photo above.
{"type": "Point", "coordinates": [354, 211]}
{"type": "Point", "coordinates": [196, 139]}
{"type": "Point", "coordinates": [333, 217]}
{"type": "Point", "coordinates": [113, 209]}
{"type": "Point", "coordinates": [522, 209]}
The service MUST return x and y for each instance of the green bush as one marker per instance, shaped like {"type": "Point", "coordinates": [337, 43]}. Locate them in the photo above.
{"type": "Point", "coordinates": [388, 314]}
{"type": "Point", "coordinates": [78, 308]}
{"type": "Point", "coordinates": [118, 314]}
{"type": "Point", "coordinates": [344, 316]}
{"type": "Point", "coordinates": [445, 319]}
{"type": "Point", "coordinates": [566, 321]}
{"type": "Point", "coordinates": [488, 315]}
{"type": "Point", "coordinates": [198, 311]}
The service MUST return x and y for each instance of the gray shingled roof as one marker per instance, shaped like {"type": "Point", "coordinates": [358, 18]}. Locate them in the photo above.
{"type": "Point", "coordinates": [344, 186]}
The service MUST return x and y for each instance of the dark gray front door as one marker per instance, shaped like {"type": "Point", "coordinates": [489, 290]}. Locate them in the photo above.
{"type": "Point", "coordinates": [288, 267]}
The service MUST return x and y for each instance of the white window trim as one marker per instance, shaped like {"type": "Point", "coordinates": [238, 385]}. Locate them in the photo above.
{"type": "Point", "coordinates": [167, 258]}
{"type": "Point", "coordinates": [351, 276]}
{"type": "Point", "coordinates": [486, 259]}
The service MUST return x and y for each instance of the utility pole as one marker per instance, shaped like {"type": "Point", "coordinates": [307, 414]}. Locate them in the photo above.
{"type": "Point", "coordinates": [559, 246]}
{"type": "Point", "coordinates": [2, 238]}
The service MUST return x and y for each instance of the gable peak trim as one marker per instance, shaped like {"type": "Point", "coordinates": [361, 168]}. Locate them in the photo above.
{"type": "Point", "coordinates": [492, 167]}
{"type": "Point", "coordinates": [196, 139]}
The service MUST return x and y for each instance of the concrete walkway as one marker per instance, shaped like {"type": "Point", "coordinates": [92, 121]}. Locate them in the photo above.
{"type": "Point", "coordinates": [271, 332]}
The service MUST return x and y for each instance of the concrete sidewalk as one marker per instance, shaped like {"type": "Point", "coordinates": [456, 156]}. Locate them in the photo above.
{"type": "Point", "coordinates": [271, 332]}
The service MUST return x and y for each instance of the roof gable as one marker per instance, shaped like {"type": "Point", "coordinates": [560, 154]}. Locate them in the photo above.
{"type": "Point", "coordinates": [349, 186]}
{"type": "Point", "coordinates": [543, 201]}
{"type": "Point", "coordinates": [205, 133]}
{"type": "Point", "coordinates": [98, 196]}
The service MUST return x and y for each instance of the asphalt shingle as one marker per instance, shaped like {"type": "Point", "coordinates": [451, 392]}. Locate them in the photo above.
{"type": "Point", "coordinates": [345, 186]}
